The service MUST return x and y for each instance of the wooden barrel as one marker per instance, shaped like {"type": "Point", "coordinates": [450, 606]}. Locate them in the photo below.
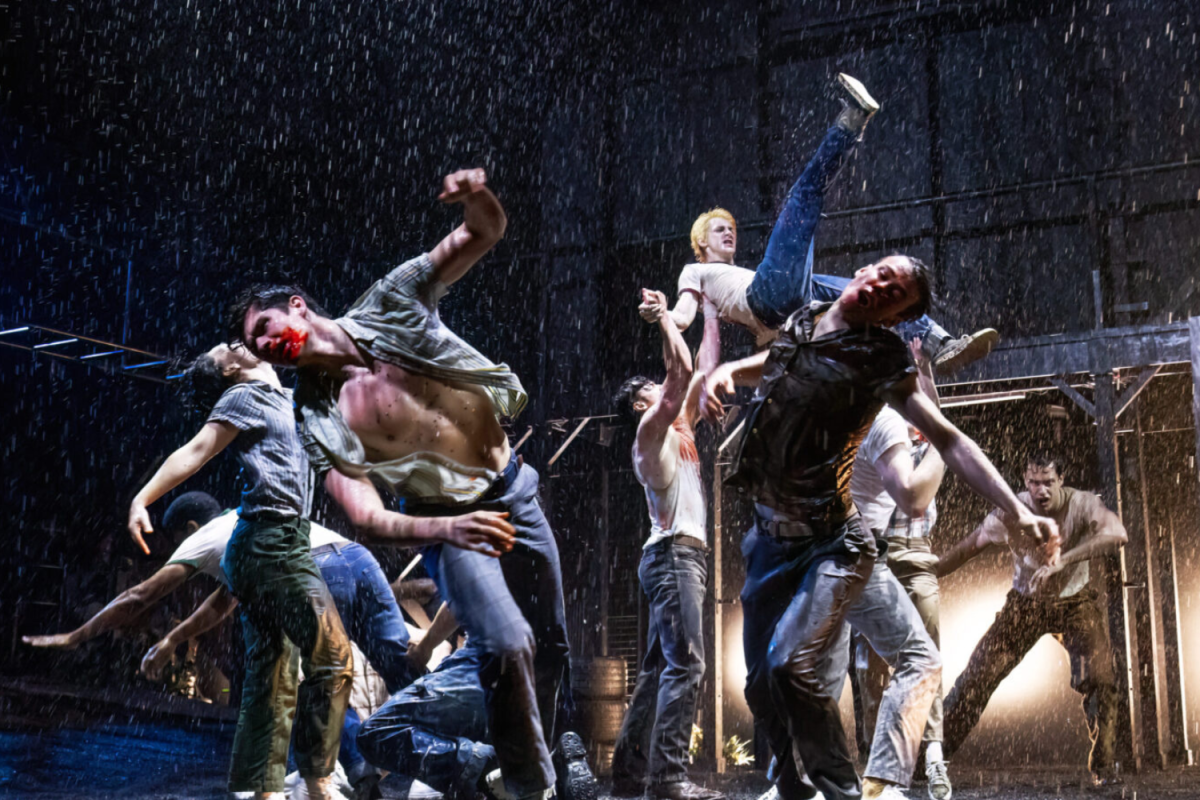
{"type": "Point", "coordinates": [599, 686]}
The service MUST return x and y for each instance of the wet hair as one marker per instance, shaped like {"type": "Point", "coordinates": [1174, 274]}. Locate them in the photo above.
{"type": "Point", "coordinates": [263, 296]}
{"type": "Point", "coordinates": [923, 280]}
{"type": "Point", "coordinates": [700, 228]}
{"type": "Point", "coordinates": [1044, 459]}
{"type": "Point", "coordinates": [199, 507]}
{"type": "Point", "coordinates": [203, 383]}
{"type": "Point", "coordinates": [626, 396]}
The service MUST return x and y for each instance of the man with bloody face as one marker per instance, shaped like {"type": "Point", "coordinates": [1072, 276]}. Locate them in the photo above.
{"type": "Point", "coordinates": [809, 556]}
{"type": "Point", "coordinates": [390, 397]}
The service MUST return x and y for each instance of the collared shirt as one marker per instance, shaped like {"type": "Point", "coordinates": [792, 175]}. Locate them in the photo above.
{"type": "Point", "coordinates": [275, 471]}
{"type": "Point", "coordinates": [397, 321]}
{"type": "Point", "coordinates": [816, 402]}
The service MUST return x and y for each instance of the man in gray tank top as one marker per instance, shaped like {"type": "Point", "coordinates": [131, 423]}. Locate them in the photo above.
{"type": "Point", "coordinates": [652, 746]}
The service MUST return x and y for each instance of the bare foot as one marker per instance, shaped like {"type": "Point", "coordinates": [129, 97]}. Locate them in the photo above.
{"type": "Point", "coordinates": [61, 641]}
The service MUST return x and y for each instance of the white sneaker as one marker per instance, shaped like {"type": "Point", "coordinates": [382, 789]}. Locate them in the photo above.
{"type": "Point", "coordinates": [770, 794]}
{"type": "Point", "coordinates": [892, 792]}
{"type": "Point", "coordinates": [939, 780]}
{"type": "Point", "coordinates": [495, 784]}
{"type": "Point", "coordinates": [421, 791]}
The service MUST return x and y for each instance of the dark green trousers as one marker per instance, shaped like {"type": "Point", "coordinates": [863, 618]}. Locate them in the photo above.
{"type": "Point", "coordinates": [288, 619]}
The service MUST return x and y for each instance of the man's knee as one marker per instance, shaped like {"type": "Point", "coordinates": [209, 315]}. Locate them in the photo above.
{"type": "Point", "coordinates": [796, 672]}
{"type": "Point", "coordinates": [514, 644]}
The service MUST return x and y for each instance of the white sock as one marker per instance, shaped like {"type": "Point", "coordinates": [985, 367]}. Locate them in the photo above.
{"type": "Point", "coordinates": [933, 752]}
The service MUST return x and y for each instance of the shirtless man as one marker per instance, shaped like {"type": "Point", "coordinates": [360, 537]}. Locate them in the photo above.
{"type": "Point", "coordinates": [652, 747]}
{"type": "Point", "coordinates": [1052, 594]}
{"type": "Point", "coordinates": [761, 299]}
{"type": "Point", "coordinates": [391, 397]}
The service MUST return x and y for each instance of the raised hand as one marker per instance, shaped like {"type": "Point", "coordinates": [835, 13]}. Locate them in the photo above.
{"type": "Point", "coordinates": [654, 305]}
{"type": "Point", "coordinates": [457, 186]}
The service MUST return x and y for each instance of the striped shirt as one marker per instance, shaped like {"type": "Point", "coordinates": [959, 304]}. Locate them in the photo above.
{"type": "Point", "coordinates": [397, 321]}
{"type": "Point", "coordinates": [275, 471]}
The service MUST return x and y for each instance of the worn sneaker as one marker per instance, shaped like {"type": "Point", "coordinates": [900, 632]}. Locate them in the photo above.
{"type": "Point", "coordinates": [573, 777]}
{"type": "Point", "coordinates": [681, 790]}
{"type": "Point", "coordinates": [497, 789]}
{"type": "Point", "coordinates": [860, 106]}
{"type": "Point", "coordinates": [770, 794]}
{"type": "Point", "coordinates": [939, 780]}
{"type": "Point", "coordinates": [954, 354]}
{"type": "Point", "coordinates": [1103, 779]}
{"type": "Point", "coordinates": [892, 792]}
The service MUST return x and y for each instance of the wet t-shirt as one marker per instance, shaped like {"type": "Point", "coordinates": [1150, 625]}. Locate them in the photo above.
{"type": "Point", "coordinates": [1080, 514]}
{"type": "Point", "coordinates": [816, 402]}
{"type": "Point", "coordinates": [725, 286]}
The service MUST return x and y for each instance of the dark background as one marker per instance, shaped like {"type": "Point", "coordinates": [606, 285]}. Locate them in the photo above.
{"type": "Point", "coordinates": [158, 156]}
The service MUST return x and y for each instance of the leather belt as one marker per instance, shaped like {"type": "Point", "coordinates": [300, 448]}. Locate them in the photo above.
{"type": "Point", "coordinates": [688, 541]}
{"type": "Point", "coordinates": [683, 539]}
{"type": "Point", "coordinates": [797, 529]}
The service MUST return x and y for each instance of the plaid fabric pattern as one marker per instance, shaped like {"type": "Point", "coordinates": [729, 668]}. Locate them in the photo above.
{"type": "Point", "coordinates": [274, 469]}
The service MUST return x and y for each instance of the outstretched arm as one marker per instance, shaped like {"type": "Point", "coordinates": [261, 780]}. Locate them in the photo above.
{"type": "Point", "coordinates": [179, 466]}
{"type": "Point", "coordinates": [745, 372]}
{"type": "Point", "coordinates": [122, 611]}
{"type": "Point", "coordinates": [991, 531]}
{"type": "Point", "coordinates": [483, 225]}
{"type": "Point", "coordinates": [487, 532]}
{"type": "Point", "coordinates": [656, 423]}
{"type": "Point", "coordinates": [216, 607]}
{"type": "Point", "coordinates": [966, 459]}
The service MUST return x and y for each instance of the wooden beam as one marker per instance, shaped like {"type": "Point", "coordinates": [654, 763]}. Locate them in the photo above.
{"type": "Point", "coordinates": [1129, 395]}
{"type": "Point", "coordinates": [567, 443]}
{"type": "Point", "coordinates": [1074, 353]}
{"type": "Point", "coordinates": [1075, 396]}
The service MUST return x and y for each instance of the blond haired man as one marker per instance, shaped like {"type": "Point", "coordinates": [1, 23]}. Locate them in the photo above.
{"type": "Point", "coordinates": [760, 300]}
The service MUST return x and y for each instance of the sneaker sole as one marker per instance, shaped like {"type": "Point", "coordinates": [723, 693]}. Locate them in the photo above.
{"type": "Point", "coordinates": [858, 92]}
{"type": "Point", "coordinates": [575, 776]}
{"type": "Point", "coordinates": [980, 345]}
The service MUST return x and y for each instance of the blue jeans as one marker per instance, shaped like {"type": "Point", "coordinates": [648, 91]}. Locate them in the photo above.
{"type": "Point", "coordinates": [512, 608]}
{"type": "Point", "coordinates": [435, 730]}
{"type": "Point", "coordinates": [888, 620]}
{"type": "Point", "coordinates": [797, 595]}
{"type": "Point", "coordinates": [367, 605]}
{"type": "Point", "coordinates": [657, 729]}
{"type": "Point", "coordinates": [784, 280]}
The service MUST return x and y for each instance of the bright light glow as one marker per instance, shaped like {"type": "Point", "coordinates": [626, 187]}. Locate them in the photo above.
{"type": "Point", "coordinates": [1040, 678]}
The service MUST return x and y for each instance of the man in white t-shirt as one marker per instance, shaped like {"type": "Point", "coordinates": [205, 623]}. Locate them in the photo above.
{"type": "Point", "coordinates": [652, 747]}
{"type": "Point", "coordinates": [893, 485]}
{"type": "Point", "coordinates": [761, 299]}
